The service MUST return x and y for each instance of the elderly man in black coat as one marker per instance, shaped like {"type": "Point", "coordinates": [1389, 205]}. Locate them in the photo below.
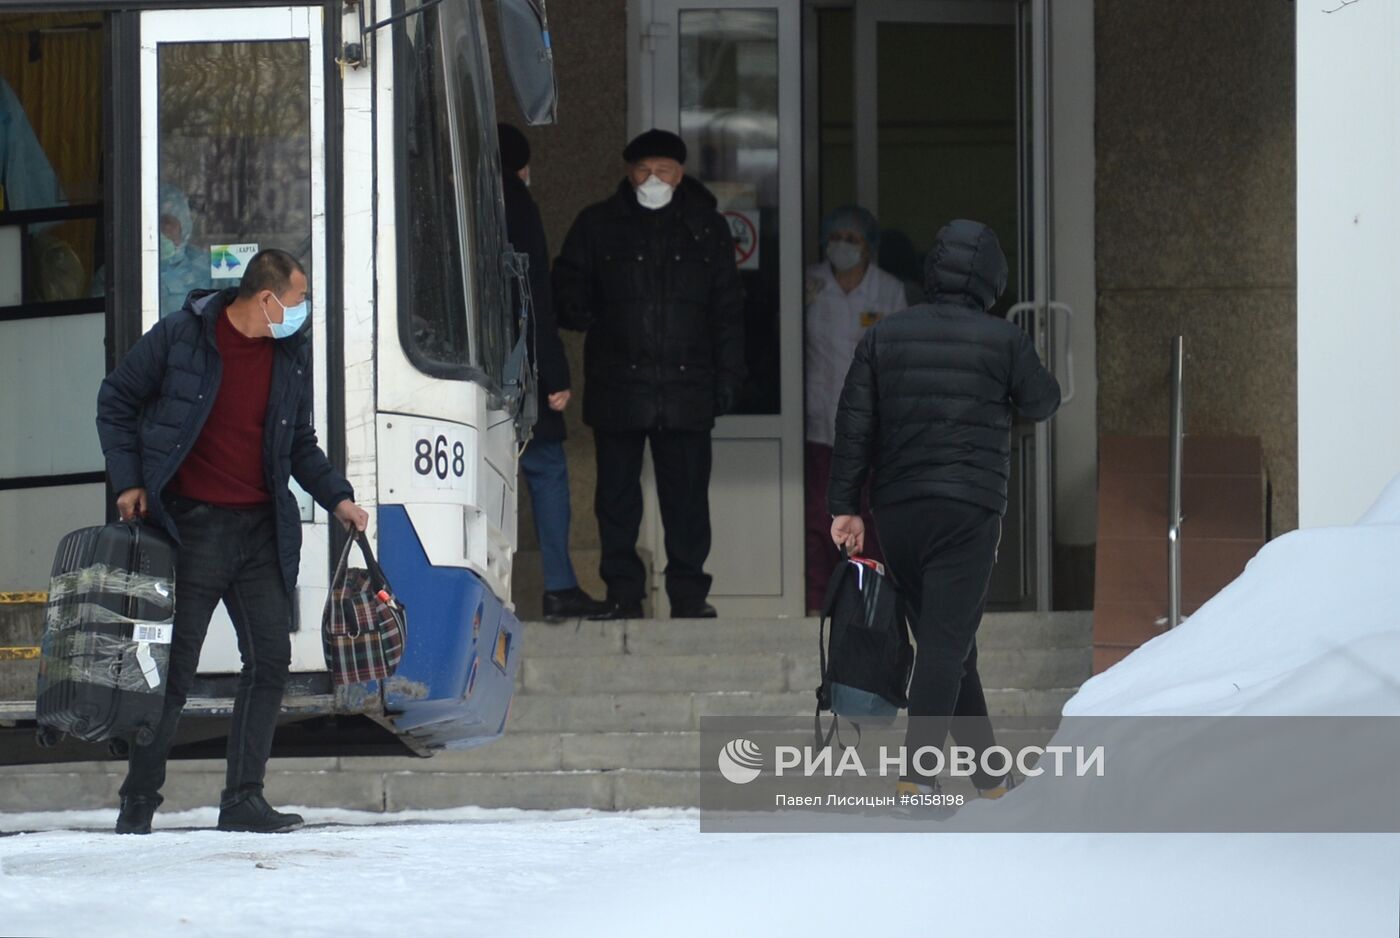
{"type": "Point", "coordinates": [650, 274]}
{"type": "Point", "coordinates": [927, 407]}
{"type": "Point", "coordinates": [543, 463]}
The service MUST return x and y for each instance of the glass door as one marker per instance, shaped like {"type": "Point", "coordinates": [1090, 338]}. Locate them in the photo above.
{"type": "Point", "coordinates": [233, 161]}
{"type": "Point", "coordinates": [946, 120]}
{"type": "Point", "coordinates": [726, 77]}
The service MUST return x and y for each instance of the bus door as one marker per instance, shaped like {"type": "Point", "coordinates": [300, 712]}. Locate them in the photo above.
{"type": "Point", "coordinates": [232, 161]}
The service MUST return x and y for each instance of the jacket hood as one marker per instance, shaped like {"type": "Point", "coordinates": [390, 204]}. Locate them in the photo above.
{"type": "Point", "coordinates": [966, 265]}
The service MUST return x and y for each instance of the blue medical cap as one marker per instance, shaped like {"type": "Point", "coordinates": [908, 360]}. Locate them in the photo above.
{"type": "Point", "coordinates": [855, 218]}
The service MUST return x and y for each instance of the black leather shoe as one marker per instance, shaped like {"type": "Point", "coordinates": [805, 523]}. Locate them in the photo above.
{"type": "Point", "coordinates": [616, 609]}
{"type": "Point", "coordinates": [136, 813]}
{"type": "Point", "coordinates": [249, 811]}
{"type": "Point", "coordinates": [701, 610]}
{"type": "Point", "coordinates": [571, 603]}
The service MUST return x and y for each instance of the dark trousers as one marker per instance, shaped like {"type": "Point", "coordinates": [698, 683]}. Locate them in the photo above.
{"type": "Point", "coordinates": [941, 554]}
{"type": "Point", "coordinates": [230, 555]}
{"type": "Point", "coordinates": [682, 462]}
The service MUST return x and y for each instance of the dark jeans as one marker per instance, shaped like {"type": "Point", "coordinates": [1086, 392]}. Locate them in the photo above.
{"type": "Point", "coordinates": [546, 472]}
{"type": "Point", "coordinates": [228, 554]}
{"type": "Point", "coordinates": [941, 554]}
{"type": "Point", "coordinates": [682, 462]}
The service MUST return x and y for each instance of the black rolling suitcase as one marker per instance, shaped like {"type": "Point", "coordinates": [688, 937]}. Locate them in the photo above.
{"type": "Point", "coordinates": [107, 630]}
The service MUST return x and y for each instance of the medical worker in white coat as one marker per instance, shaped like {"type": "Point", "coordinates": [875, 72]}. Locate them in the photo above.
{"type": "Point", "coordinates": [845, 294]}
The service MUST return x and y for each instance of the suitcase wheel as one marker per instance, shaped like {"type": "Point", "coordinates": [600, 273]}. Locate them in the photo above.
{"type": "Point", "coordinates": [46, 737]}
{"type": "Point", "coordinates": [118, 747]}
{"type": "Point", "coordinates": [145, 736]}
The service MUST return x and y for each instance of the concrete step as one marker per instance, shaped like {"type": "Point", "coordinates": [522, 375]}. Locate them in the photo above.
{"type": "Point", "coordinates": [757, 636]}
{"type": "Point", "coordinates": [590, 674]}
{"type": "Point", "coordinates": [679, 711]}
{"type": "Point", "coordinates": [606, 771]}
{"type": "Point", "coordinates": [189, 786]}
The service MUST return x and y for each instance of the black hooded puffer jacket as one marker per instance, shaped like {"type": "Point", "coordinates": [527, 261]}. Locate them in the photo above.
{"type": "Point", "coordinates": [927, 402]}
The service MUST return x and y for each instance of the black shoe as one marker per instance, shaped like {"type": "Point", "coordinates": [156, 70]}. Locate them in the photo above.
{"type": "Point", "coordinates": [249, 811]}
{"type": "Point", "coordinates": [572, 603]}
{"type": "Point", "coordinates": [701, 610]}
{"type": "Point", "coordinates": [617, 609]}
{"type": "Point", "coordinates": [136, 813]}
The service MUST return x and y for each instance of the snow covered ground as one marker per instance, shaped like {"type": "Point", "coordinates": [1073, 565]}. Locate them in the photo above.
{"type": "Point", "coordinates": [472, 872]}
{"type": "Point", "coordinates": [1311, 628]}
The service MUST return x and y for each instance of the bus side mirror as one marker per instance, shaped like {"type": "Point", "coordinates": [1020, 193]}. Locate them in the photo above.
{"type": "Point", "coordinates": [529, 58]}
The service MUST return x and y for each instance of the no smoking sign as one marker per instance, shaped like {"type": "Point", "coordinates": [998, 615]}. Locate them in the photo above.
{"type": "Point", "coordinates": [744, 226]}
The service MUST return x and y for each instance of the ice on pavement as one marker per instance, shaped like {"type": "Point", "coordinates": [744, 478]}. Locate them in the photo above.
{"type": "Point", "coordinates": [1312, 627]}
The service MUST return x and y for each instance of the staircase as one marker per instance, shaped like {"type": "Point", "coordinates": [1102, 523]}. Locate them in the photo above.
{"type": "Point", "coordinates": [607, 716]}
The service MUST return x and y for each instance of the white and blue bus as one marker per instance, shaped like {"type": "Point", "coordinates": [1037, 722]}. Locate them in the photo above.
{"type": "Point", "coordinates": [159, 146]}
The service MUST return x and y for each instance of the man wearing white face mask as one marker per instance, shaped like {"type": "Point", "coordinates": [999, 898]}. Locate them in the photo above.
{"type": "Point", "coordinates": [650, 274]}
{"type": "Point", "coordinates": [202, 424]}
{"type": "Point", "coordinates": [846, 294]}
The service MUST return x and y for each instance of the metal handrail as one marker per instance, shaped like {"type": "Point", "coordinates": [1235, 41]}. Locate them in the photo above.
{"type": "Point", "coordinates": [1178, 433]}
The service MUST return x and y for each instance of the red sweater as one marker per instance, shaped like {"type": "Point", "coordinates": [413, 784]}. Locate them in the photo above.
{"type": "Point", "coordinates": [225, 467]}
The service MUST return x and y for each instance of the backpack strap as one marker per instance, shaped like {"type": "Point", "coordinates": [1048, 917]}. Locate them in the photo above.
{"type": "Point", "coordinates": [833, 587]}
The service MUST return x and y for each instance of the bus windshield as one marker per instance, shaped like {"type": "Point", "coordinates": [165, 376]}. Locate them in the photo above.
{"type": "Point", "coordinates": [454, 318]}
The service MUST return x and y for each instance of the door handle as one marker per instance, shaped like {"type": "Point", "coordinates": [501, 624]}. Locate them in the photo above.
{"type": "Point", "coordinates": [1016, 313]}
{"type": "Point", "coordinates": [1055, 307]}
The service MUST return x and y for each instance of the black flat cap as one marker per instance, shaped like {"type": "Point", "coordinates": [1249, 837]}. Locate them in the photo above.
{"type": "Point", "coordinates": [655, 143]}
{"type": "Point", "coordinates": [515, 149]}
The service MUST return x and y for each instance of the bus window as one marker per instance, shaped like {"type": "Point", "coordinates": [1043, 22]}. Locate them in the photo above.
{"type": "Point", "coordinates": [454, 321]}
{"type": "Point", "coordinates": [235, 160]}
{"type": "Point", "coordinates": [52, 312]}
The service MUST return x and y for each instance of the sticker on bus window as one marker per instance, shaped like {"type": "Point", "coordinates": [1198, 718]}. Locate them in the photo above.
{"type": "Point", "coordinates": [228, 261]}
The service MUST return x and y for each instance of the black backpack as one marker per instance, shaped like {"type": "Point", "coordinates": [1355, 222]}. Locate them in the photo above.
{"type": "Point", "coordinates": [865, 671]}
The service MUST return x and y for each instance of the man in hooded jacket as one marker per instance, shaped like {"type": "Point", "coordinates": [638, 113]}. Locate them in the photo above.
{"type": "Point", "coordinates": [650, 274]}
{"type": "Point", "coordinates": [927, 408]}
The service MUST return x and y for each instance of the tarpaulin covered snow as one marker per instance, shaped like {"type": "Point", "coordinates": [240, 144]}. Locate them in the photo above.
{"type": "Point", "coordinates": [1311, 628]}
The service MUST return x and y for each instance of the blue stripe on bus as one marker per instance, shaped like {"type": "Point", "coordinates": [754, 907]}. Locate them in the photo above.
{"type": "Point", "coordinates": [453, 621]}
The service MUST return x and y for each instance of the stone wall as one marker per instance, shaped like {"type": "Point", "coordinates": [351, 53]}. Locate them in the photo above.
{"type": "Point", "coordinates": [573, 163]}
{"type": "Point", "coordinates": [1196, 224]}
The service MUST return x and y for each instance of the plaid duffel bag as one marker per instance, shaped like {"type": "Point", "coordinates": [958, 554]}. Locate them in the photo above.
{"type": "Point", "coordinates": [364, 627]}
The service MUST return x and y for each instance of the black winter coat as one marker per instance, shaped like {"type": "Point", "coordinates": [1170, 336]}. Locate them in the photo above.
{"type": "Point", "coordinates": [152, 407]}
{"type": "Point", "coordinates": [658, 293]}
{"type": "Point", "coordinates": [526, 233]}
{"type": "Point", "coordinates": [927, 401]}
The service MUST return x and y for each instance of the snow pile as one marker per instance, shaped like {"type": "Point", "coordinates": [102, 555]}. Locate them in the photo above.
{"type": "Point", "coordinates": [1312, 627]}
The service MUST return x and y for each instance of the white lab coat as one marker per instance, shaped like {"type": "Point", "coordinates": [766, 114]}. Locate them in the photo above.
{"type": "Point", "coordinates": [836, 320]}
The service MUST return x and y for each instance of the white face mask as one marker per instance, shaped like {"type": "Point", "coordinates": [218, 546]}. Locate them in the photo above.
{"type": "Point", "coordinates": [654, 193]}
{"type": "Point", "coordinates": [843, 255]}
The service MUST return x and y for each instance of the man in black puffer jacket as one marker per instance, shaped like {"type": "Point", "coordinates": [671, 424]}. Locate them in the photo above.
{"type": "Point", "coordinates": [203, 424]}
{"type": "Point", "coordinates": [927, 407]}
{"type": "Point", "coordinates": [650, 274]}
